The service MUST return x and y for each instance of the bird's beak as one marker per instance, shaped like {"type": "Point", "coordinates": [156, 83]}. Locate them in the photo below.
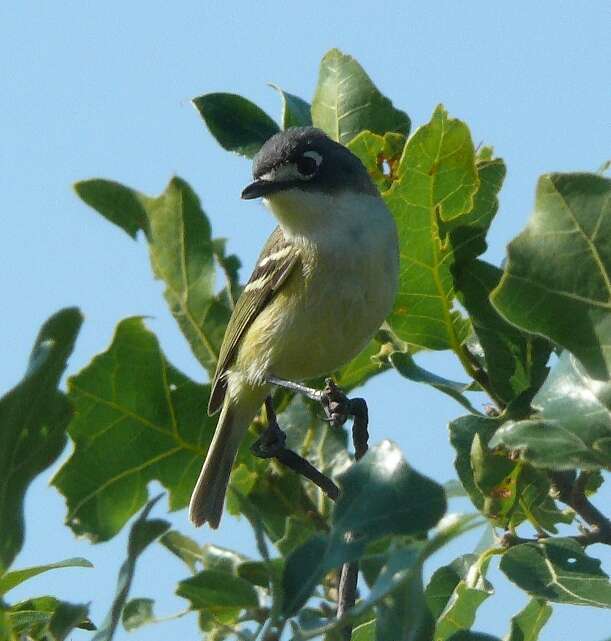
{"type": "Point", "coordinates": [259, 188]}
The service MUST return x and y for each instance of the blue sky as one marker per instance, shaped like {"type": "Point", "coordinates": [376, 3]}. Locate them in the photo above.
{"type": "Point", "coordinates": [103, 90]}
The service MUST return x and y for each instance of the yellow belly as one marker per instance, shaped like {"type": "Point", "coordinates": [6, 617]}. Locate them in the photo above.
{"type": "Point", "coordinates": [325, 314]}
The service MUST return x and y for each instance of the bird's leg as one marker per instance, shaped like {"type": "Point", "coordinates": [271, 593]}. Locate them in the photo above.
{"type": "Point", "coordinates": [309, 392]}
{"type": "Point", "coordinates": [273, 438]}
{"type": "Point", "coordinates": [271, 444]}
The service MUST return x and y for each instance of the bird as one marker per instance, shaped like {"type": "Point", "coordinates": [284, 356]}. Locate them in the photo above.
{"type": "Point", "coordinates": [322, 286]}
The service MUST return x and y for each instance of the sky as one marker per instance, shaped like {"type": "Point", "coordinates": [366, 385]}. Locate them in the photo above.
{"type": "Point", "coordinates": [103, 90]}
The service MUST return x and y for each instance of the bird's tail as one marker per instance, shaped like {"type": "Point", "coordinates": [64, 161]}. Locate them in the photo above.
{"type": "Point", "coordinates": [209, 494]}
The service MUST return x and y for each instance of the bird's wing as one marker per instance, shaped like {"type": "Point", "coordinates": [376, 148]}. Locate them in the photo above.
{"type": "Point", "coordinates": [275, 263]}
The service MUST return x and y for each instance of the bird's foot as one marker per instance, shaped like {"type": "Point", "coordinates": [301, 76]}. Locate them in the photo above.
{"type": "Point", "coordinates": [273, 439]}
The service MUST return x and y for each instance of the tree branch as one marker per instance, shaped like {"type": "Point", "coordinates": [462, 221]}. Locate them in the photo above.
{"type": "Point", "coordinates": [271, 444]}
{"type": "Point", "coordinates": [573, 493]}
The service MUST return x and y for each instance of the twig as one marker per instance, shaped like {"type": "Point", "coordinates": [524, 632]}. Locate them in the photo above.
{"type": "Point", "coordinates": [573, 493]}
{"type": "Point", "coordinates": [271, 444]}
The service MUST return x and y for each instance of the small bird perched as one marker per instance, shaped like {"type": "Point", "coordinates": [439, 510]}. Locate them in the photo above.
{"type": "Point", "coordinates": [322, 286]}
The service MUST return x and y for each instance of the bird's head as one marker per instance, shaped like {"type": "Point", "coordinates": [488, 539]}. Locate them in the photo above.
{"type": "Point", "coordinates": [301, 171]}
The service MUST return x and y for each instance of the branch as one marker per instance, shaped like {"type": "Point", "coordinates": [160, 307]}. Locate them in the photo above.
{"type": "Point", "coordinates": [271, 444]}
{"type": "Point", "coordinates": [573, 493]}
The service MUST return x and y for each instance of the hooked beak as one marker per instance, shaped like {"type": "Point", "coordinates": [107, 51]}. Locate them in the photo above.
{"type": "Point", "coordinates": [259, 188]}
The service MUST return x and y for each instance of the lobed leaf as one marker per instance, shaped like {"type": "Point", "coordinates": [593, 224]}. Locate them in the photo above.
{"type": "Point", "coordinates": [557, 281]}
{"type": "Point", "coordinates": [437, 183]}
{"type": "Point", "coordinates": [347, 101]}
{"type": "Point", "coordinates": [137, 419]}
{"type": "Point", "coordinates": [34, 416]}
{"type": "Point", "coordinates": [182, 254]}
{"type": "Point", "coordinates": [236, 123]}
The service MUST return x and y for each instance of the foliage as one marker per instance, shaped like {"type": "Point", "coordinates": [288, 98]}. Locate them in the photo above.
{"type": "Point", "coordinates": [544, 442]}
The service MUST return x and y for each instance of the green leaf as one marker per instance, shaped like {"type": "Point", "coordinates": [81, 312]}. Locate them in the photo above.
{"type": "Point", "coordinates": [347, 101]}
{"type": "Point", "coordinates": [381, 156]}
{"type": "Point", "coordinates": [236, 123]}
{"type": "Point", "coordinates": [34, 416]}
{"type": "Point", "coordinates": [379, 495]}
{"type": "Point", "coordinates": [215, 591]}
{"type": "Point", "coordinates": [360, 369]}
{"type": "Point", "coordinates": [403, 614]}
{"type": "Point", "coordinates": [364, 632]}
{"type": "Point", "coordinates": [406, 366]}
{"type": "Point", "coordinates": [464, 635]}
{"type": "Point", "coordinates": [144, 420]}
{"type": "Point", "coordinates": [137, 612]}
{"type": "Point", "coordinates": [182, 255]}
{"type": "Point", "coordinates": [144, 531]}
{"type": "Point", "coordinates": [558, 570]}
{"type": "Point", "coordinates": [295, 110]}
{"type": "Point", "coordinates": [12, 579]}
{"type": "Point", "coordinates": [221, 559]}
{"type": "Point", "coordinates": [454, 594]}
{"type": "Point", "coordinates": [65, 618]}
{"type": "Point", "coordinates": [570, 303]}
{"type": "Point", "coordinates": [572, 427]}
{"type": "Point", "coordinates": [184, 547]}
{"type": "Point", "coordinates": [437, 182]}
{"type": "Point", "coordinates": [526, 625]}
{"type": "Point", "coordinates": [515, 361]}
{"type": "Point", "coordinates": [32, 617]}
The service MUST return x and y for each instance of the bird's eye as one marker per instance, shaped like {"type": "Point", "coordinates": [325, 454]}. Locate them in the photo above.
{"type": "Point", "coordinates": [308, 163]}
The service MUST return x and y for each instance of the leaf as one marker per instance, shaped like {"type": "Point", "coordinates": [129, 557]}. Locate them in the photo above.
{"type": "Point", "coordinates": [380, 495]}
{"type": "Point", "coordinates": [215, 591]}
{"type": "Point", "coordinates": [464, 635]}
{"type": "Point", "coordinates": [182, 255]}
{"type": "Point", "coordinates": [221, 559]}
{"type": "Point", "coordinates": [33, 419]}
{"type": "Point", "coordinates": [12, 579]}
{"type": "Point", "coordinates": [144, 531]}
{"type": "Point", "coordinates": [406, 366]}
{"type": "Point", "coordinates": [572, 427]}
{"type": "Point", "coordinates": [295, 110]}
{"type": "Point", "coordinates": [184, 547]}
{"type": "Point", "coordinates": [558, 570]}
{"type": "Point", "coordinates": [236, 123]}
{"type": "Point", "coordinates": [347, 101]}
{"type": "Point", "coordinates": [360, 369]}
{"type": "Point", "coordinates": [137, 419]}
{"type": "Point", "coordinates": [381, 156]}
{"type": "Point", "coordinates": [32, 617]}
{"type": "Point", "coordinates": [526, 625]}
{"type": "Point", "coordinates": [364, 632]}
{"type": "Point", "coordinates": [454, 594]}
{"type": "Point", "coordinates": [557, 281]}
{"type": "Point", "coordinates": [515, 361]}
{"type": "Point", "coordinates": [437, 183]}
{"type": "Point", "coordinates": [65, 618]}
{"type": "Point", "coordinates": [230, 266]}
{"type": "Point", "coordinates": [137, 612]}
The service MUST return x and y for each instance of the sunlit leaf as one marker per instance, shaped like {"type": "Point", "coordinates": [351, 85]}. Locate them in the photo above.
{"type": "Point", "coordinates": [136, 613]}
{"type": "Point", "coordinates": [528, 623]}
{"type": "Point", "coordinates": [12, 579]}
{"type": "Point", "coordinates": [347, 101]}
